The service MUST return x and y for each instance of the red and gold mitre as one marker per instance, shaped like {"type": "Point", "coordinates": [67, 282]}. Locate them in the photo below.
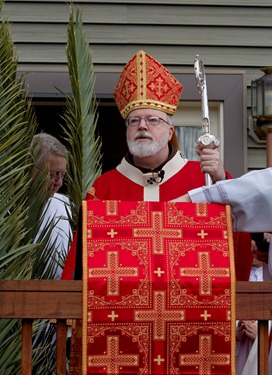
{"type": "Point", "coordinates": [146, 83]}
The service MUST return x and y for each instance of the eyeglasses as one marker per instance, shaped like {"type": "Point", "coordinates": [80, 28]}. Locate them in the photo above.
{"type": "Point", "coordinates": [149, 120]}
{"type": "Point", "coordinates": [56, 175]}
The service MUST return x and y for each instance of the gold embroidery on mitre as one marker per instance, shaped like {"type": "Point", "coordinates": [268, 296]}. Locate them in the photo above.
{"type": "Point", "coordinates": [146, 83]}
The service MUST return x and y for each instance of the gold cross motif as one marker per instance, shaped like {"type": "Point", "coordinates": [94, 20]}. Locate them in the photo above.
{"type": "Point", "coordinates": [112, 360]}
{"type": "Point", "coordinates": [205, 272]}
{"type": "Point", "coordinates": [159, 360]}
{"type": "Point", "coordinates": [113, 316]}
{"type": "Point", "coordinates": [112, 233]}
{"type": "Point", "coordinates": [157, 232]}
{"type": "Point", "coordinates": [159, 86]}
{"type": "Point", "coordinates": [128, 89]}
{"type": "Point", "coordinates": [202, 234]}
{"type": "Point", "coordinates": [205, 315]}
{"type": "Point", "coordinates": [159, 315]}
{"type": "Point", "coordinates": [205, 359]}
{"type": "Point", "coordinates": [159, 272]}
{"type": "Point", "coordinates": [113, 272]}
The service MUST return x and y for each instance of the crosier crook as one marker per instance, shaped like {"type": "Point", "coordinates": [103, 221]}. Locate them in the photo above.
{"type": "Point", "coordinates": [206, 139]}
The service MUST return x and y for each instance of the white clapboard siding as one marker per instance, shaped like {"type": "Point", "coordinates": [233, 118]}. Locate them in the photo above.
{"type": "Point", "coordinates": [229, 35]}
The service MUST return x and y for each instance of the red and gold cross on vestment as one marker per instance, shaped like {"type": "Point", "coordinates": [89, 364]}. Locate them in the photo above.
{"type": "Point", "coordinates": [158, 290]}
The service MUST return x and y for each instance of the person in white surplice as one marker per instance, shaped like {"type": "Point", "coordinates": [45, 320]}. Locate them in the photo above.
{"type": "Point", "coordinates": [250, 197]}
{"type": "Point", "coordinates": [49, 153]}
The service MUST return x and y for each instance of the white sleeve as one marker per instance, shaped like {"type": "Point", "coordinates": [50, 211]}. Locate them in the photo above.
{"type": "Point", "coordinates": [249, 196]}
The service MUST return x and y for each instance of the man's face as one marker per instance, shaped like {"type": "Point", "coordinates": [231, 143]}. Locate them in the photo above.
{"type": "Point", "coordinates": [57, 170]}
{"type": "Point", "coordinates": [146, 139]}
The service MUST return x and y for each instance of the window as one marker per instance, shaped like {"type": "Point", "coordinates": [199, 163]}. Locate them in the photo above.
{"type": "Point", "coordinates": [188, 126]}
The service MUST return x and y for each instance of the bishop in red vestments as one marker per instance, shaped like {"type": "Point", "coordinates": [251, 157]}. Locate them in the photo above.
{"type": "Point", "coordinates": [154, 169]}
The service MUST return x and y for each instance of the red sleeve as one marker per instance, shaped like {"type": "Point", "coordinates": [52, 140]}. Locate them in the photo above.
{"type": "Point", "coordinates": [70, 263]}
{"type": "Point", "coordinates": [242, 255]}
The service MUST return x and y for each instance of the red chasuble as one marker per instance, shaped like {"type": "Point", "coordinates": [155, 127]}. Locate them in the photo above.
{"type": "Point", "coordinates": [127, 183]}
{"type": "Point", "coordinates": [158, 289]}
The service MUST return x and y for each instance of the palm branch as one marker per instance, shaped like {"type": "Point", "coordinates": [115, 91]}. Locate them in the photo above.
{"type": "Point", "coordinates": [25, 251]}
{"type": "Point", "coordinates": [81, 115]}
{"type": "Point", "coordinates": [80, 119]}
{"type": "Point", "coordinates": [21, 201]}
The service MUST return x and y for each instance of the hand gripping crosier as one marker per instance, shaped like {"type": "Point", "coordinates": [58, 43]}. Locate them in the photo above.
{"type": "Point", "coordinates": [206, 139]}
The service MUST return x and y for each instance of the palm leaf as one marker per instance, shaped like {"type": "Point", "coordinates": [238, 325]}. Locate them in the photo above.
{"type": "Point", "coordinates": [25, 250]}
{"type": "Point", "coordinates": [21, 201]}
{"type": "Point", "coordinates": [81, 114]}
{"type": "Point", "coordinates": [80, 120]}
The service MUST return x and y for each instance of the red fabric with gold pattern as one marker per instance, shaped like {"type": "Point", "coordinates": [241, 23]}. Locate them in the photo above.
{"type": "Point", "coordinates": [146, 83]}
{"type": "Point", "coordinates": [158, 289]}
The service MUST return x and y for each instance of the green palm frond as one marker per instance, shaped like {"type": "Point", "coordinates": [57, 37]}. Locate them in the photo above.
{"type": "Point", "coordinates": [81, 114]}
{"type": "Point", "coordinates": [21, 201]}
{"type": "Point", "coordinates": [17, 125]}
{"type": "Point", "coordinates": [26, 250]}
{"type": "Point", "coordinates": [10, 355]}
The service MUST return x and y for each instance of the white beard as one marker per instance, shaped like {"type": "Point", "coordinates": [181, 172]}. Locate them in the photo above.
{"type": "Point", "coordinates": [148, 147]}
